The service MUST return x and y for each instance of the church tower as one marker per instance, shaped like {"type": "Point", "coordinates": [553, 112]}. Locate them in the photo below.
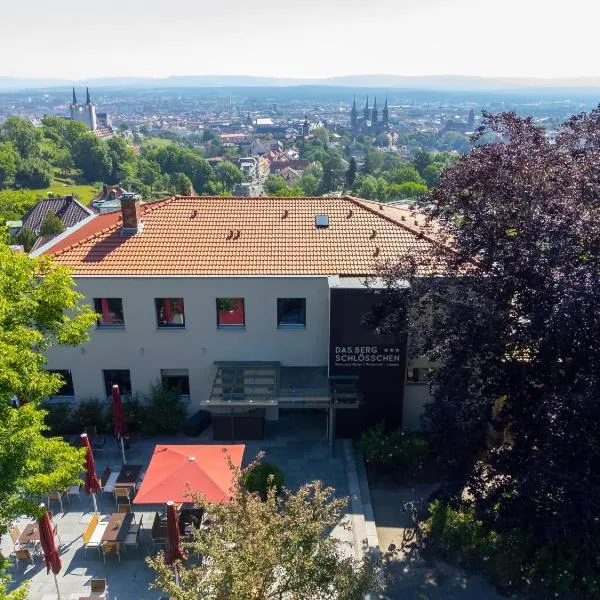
{"type": "Point", "coordinates": [471, 120]}
{"type": "Point", "coordinates": [374, 114]}
{"type": "Point", "coordinates": [385, 118]}
{"type": "Point", "coordinates": [354, 116]}
{"type": "Point", "coordinates": [305, 127]}
{"type": "Point", "coordinates": [91, 109]}
{"type": "Point", "coordinates": [366, 112]}
{"type": "Point", "coordinates": [85, 113]}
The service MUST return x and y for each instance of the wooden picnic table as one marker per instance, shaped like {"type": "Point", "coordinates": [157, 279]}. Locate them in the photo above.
{"type": "Point", "coordinates": [118, 527]}
{"type": "Point", "coordinates": [30, 535]}
{"type": "Point", "coordinates": [129, 475]}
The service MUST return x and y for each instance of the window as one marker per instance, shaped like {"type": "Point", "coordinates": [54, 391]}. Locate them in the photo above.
{"type": "Point", "coordinates": [291, 313]}
{"type": "Point", "coordinates": [419, 374]}
{"type": "Point", "coordinates": [230, 312]}
{"type": "Point", "coordinates": [176, 379]}
{"type": "Point", "coordinates": [120, 377]}
{"type": "Point", "coordinates": [110, 312]}
{"type": "Point", "coordinates": [67, 387]}
{"type": "Point", "coordinates": [169, 312]}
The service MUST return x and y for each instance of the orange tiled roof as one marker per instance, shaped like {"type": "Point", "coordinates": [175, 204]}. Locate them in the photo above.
{"type": "Point", "coordinates": [277, 236]}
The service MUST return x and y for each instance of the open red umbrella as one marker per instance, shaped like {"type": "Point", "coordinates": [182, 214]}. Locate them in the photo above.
{"type": "Point", "coordinates": [92, 485]}
{"type": "Point", "coordinates": [119, 419]}
{"type": "Point", "coordinates": [51, 557]}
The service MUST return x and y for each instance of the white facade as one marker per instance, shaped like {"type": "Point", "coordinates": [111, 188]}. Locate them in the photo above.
{"type": "Point", "coordinates": [144, 348]}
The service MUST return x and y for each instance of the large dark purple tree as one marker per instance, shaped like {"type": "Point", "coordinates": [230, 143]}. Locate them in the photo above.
{"type": "Point", "coordinates": [515, 324]}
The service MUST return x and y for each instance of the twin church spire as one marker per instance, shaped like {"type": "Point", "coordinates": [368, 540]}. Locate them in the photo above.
{"type": "Point", "coordinates": [370, 116]}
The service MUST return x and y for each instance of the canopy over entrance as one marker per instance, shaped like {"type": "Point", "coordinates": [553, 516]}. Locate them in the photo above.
{"type": "Point", "coordinates": [176, 470]}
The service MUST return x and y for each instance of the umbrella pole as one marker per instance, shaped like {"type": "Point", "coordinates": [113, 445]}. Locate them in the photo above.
{"type": "Point", "coordinates": [123, 450]}
{"type": "Point", "coordinates": [95, 504]}
{"type": "Point", "coordinates": [56, 582]}
{"type": "Point", "coordinates": [176, 574]}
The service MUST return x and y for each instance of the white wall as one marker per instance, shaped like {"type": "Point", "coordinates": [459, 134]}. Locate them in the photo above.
{"type": "Point", "coordinates": [144, 349]}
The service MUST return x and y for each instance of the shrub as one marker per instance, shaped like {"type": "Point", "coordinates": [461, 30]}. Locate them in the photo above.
{"type": "Point", "coordinates": [510, 559]}
{"type": "Point", "coordinates": [90, 412]}
{"type": "Point", "coordinates": [165, 412]}
{"type": "Point", "coordinates": [397, 450]}
{"type": "Point", "coordinates": [262, 477]}
{"type": "Point", "coordinates": [58, 418]}
{"type": "Point", "coordinates": [134, 411]}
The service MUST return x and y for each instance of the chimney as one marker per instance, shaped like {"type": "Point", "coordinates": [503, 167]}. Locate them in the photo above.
{"type": "Point", "coordinates": [130, 210]}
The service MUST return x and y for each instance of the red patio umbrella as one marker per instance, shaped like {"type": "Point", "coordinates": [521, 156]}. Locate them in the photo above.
{"type": "Point", "coordinates": [119, 419]}
{"type": "Point", "coordinates": [175, 550]}
{"type": "Point", "coordinates": [51, 557]}
{"type": "Point", "coordinates": [92, 485]}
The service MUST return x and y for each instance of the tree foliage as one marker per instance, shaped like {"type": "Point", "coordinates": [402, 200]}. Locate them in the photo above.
{"type": "Point", "coordinates": [277, 549]}
{"type": "Point", "coordinates": [516, 329]}
{"type": "Point", "coordinates": [38, 309]}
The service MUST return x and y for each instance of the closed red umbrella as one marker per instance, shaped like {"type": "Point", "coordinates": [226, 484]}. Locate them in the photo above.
{"type": "Point", "coordinates": [92, 485]}
{"type": "Point", "coordinates": [119, 419]}
{"type": "Point", "coordinates": [51, 557]}
{"type": "Point", "coordinates": [174, 548]}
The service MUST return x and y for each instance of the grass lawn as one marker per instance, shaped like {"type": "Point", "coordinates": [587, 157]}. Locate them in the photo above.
{"type": "Point", "coordinates": [155, 142]}
{"type": "Point", "coordinates": [64, 187]}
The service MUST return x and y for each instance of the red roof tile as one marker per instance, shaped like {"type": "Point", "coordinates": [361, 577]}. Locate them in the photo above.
{"type": "Point", "coordinates": [277, 236]}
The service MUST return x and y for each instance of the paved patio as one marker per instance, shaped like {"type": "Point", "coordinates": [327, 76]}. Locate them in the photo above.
{"type": "Point", "coordinates": [296, 444]}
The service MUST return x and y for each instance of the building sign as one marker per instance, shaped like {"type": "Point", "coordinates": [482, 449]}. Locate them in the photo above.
{"type": "Point", "coordinates": [378, 361]}
{"type": "Point", "coordinates": [369, 356]}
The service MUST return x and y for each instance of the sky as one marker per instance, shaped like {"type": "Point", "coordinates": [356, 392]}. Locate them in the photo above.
{"type": "Point", "coordinates": [77, 39]}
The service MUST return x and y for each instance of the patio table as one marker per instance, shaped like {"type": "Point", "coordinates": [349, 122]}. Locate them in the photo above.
{"type": "Point", "coordinates": [129, 476]}
{"type": "Point", "coordinates": [118, 527]}
{"type": "Point", "coordinates": [30, 535]}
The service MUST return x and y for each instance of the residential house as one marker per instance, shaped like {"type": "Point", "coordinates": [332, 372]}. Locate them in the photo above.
{"type": "Point", "coordinates": [66, 208]}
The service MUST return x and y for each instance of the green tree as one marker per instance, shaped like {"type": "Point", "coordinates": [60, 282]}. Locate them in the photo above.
{"type": "Point", "coordinates": [382, 140]}
{"type": "Point", "coordinates": [333, 174]}
{"type": "Point", "coordinates": [366, 187]}
{"type": "Point", "coordinates": [25, 238]}
{"type": "Point", "coordinates": [309, 184]}
{"type": "Point", "coordinates": [15, 203]}
{"type": "Point", "coordinates": [51, 225]}
{"type": "Point", "coordinates": [122, 159]}
{"type": "Point", "coordinates": [373, 163]}
{"type": "Point", "coordinates": [181, 184]}
{"type": "Point", "coordinates": [228, 175]}
{"type": "Point", "coordinates": [321, 135]}
{"type": "Point", "coordinates": [9, 159]}
{"type": "Point", "coordinates": [409, 189]}
{"type": "Point", "coordinates": [275, 184]}
{"type": "Point", "coordinates": [351, 173]}
{"type": "Point", "coordinates": [24, 136]}
{"type": "Point", "coordinates": [403, 174]}
{"type": "Point", "coordinates": [269, 550]}
{"type": "Point", "coordinates": [34, 173]}
{"type": "Point", "coordinates": [92, 157]}
{"type": "Point", "coordinates": [421, 161]}
{"type": "Point", "coordinates": [38, 309]}
{"type": "Point", "coordinates": [64, 161]}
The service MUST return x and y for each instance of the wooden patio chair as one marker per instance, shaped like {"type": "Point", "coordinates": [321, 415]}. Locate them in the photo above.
{"type": "Point", "coordinates": [109, 548]}
{"type": "Point", "coordinates": [22, 554]}
{"type": "Point", "coordinates": [57, 497]}
{"type": "Point", "coordinates": [98, 586]}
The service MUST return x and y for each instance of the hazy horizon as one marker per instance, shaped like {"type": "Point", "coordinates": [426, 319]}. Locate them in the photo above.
{"type": "Point", "coordinates": [315, 40]}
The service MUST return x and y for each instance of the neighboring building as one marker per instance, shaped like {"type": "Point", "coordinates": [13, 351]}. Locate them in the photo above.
{"type": "Point", "coordinates": [109, 199]}
{"type": "Point", "coordinates": [460, 126]}
{"type": "Point", "coordinates": [66, 208]}
{"type": "Point", "coordinates": [246, 304]}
